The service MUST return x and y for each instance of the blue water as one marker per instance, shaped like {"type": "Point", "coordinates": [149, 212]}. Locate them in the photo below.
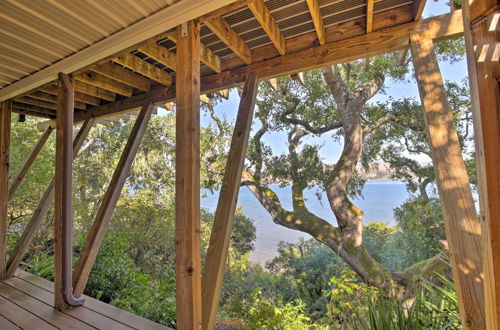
{"type": "Point", "coordinates": [380, 199]}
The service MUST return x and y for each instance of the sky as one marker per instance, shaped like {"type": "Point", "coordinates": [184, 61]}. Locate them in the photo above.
{"type": "Point", "coordinates": [330, 150]}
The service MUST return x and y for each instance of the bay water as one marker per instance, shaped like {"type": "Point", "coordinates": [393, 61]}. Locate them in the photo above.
{"type": "Point", "coordinates": [380, 197]}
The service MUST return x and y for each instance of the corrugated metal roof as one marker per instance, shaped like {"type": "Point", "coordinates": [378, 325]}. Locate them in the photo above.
{"type": "Point", "coordinates": [37, 33]}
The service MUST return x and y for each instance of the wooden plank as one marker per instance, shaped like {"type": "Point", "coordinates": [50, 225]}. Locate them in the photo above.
{"type": "Point", "coordinates": [43, 311]}
{"type": "Point", "coordinates": [123, 76]}
{"type": "Point", "coordinates": [207, 56]}
{"type": "Point", "coordinates": [22, 317]}
{"type": "Point", "coordinates": [5, 127]}
{"type": "Point", "coordinates": [43, 207]}
{"type": "Point", "coordinates": [463, 228]}
{"type": "Point", "coordinates": [81, 313]}
{"type": "Point", "coordinates": [160, 54]}
{"type": "Point", "coordinates": [53, 99]}
{"type": "Point", "coordinates": [94, 91]}
{"type": "Point", "coordinates": [228, 36]}
{"type": "Point", "coordinates": [268, 23]}
{"type": "Point", "coordinates": [369, 16]}
{"type": "Point", "coordinates": [317, 19]}
{"type": "Point", "coordinates": [92, 304]}
{"type": "Point", "coordinates": [98, 80]}
{"type": "Point", "coordinates": [146, 69]}
{"type": "Point", "coordinates": [187, 188]}
{"type": "Point", "coordinates": [220, 237]}
{"type": "Point", "coordinates": [418, 9]}
{"type": "Point", "coordinates": [482, 68]}
{"type": "Point", "coordinates": [35, 102]}
{"type": "Point", "coordinates": [80, 97]}
{"type": "Point", "coordinates": [158, 22]}
{"type": "Point", "coordinates": [28, 162]}
{"type": "Point", "coordinates": [108, 203]}
{"type": "Point", "coordinates": [7, 325]}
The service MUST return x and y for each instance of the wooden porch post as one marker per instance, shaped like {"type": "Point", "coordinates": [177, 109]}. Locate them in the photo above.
{"type": "Point", "coordinates": [5, 118]}
{"type": "Point", "coordinates": [463, 228]}
{"type": "Point", "coordinates": [482, 41]}
{"type": "Point", "coordinates": [187, 186]}
{"type": "Point", "coordinates": [220, 237]}
{"type": "Point", "coordinates": [63, 182]}
{"type": "Point", "coordinates": [108, 203]}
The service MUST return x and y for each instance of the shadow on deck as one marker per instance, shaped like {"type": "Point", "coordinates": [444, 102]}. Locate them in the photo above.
{"type": "Point", "coordinates": [26, 301]}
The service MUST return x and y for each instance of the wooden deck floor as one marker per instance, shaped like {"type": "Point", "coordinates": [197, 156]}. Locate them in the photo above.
{"type": "Point", "coordinates": [26, 303]}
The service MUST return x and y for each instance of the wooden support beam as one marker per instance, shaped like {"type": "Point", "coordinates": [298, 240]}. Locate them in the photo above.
{"type": "Point", "coordinates": [43, 207]}
{"type": "Point", "coordinates": [108, 203]}
{"type": "Point", "coordinates": [34, 109]}
{"type": "Point", "coordinates": [53, 99]}
{"type": "Point", "coordinates": [369, 16]}
{"type": "Point", "coordinates": [5, 121]}
{"type": "Point", "coordinates": [315, 12]}
{"type": "Point", "coordinates": [268, 23]}
{"type": "Point", "coordinates": [28, 162]}
{"type": "Point", "coordinates": [80, 97]}
{"type": "Point", "coordinates": [224, 93]}
{"type": "Point", "coordinates": [23, 112]}
{"type": "Point", "coordinates": [94, 91]}
{"type": "Point", "coordinates": [273, 82]}
{"type": "Point", "coordinates": [146, 69]}
{"type": "Point", "coordinates": [299, 76]}
{"type": "Point", "coordinates": [418, 9]}
{"type": "Point", "coordinates": [207, 56]}
{"type": "Point", "coordinates": [483, 56]}
{"type": "Point", "coordinates": [463, 228]}
{"type": "Point", "coordinates": [205, 99]}
{"type": "Point", "coordinates": [160, 54]}
{"type": "Point", "coordinates": [98, 80]}
{"type": "Point", "coordinates": [220, 237]}
{"type": "Point", "coordinates": [223, 30]}
{"type": "Point", "coordinates": [187, 190]}
{"type": "Point", "coordinates": [123, 76]}
{"type": "Point", "coordinates": [35, 102]}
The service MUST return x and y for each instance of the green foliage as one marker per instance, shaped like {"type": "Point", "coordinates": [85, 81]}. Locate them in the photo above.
{"type": "Point", "coordinates": [265, 314]}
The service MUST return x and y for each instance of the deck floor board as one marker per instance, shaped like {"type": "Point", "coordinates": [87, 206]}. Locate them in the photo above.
{"type": "Point", "coordinates": [26, 301]}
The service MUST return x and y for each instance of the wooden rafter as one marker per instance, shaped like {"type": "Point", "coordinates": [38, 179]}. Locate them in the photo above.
{"type": "Point", "coordinates": [5, 122]}
{"type": "Point", "coordinates": [358, 46]}
{"type": "Point", "coordinates": [43, 207]}
{"type": "Point", "coordinates": [160, 54]}
{"type": "Point", "coordinates": [220, 237]}
{"type": "Point", "coordinates": [268, 23]}
{"type": "Point", "coordinates": [146, 69]}
{"type": "Point", "coordinates": [315, 12]}
{"type": "Point", "coordinates": [207, 56]}
{"type": "Point", "coordinates": [122, 75]}
{"type": "Point", "coordinates": [35, 102]}
{"type": "Point", "coordinates": [108, 203]}
{"type": "Point", "coordinates": [463, 228]}
{"type": "Point", "coordinates": [369, 16]}
{"type": "Point", "coordinates": [34, 108]}
{"type": "Point", "coordinates": [103, 82]}
{"type": "Point", "coordinates": [223, 30]}
{"type": "Point", "coordinates": [24, 112]}
{"type": "Point", "coordinates": [53, 99]}
{"type": "Point", "coordinates": [94, 91]}
{"type": "Point", "coordinates": [80, 97]}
